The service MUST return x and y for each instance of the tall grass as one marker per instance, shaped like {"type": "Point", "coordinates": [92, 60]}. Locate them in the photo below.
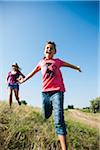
{"type": "Point", "coordinates": [23, 128]}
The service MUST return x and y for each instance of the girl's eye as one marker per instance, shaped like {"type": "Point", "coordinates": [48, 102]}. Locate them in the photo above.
{"type": "Point", "coordinates": [49, 48]}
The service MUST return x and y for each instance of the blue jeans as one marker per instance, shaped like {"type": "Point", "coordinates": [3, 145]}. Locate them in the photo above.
{"type": "Point", "coordinates": [54, 101]}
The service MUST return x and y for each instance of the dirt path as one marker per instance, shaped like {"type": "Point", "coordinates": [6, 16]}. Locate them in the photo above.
{"type": "Point", "coordinates": [92, 120]}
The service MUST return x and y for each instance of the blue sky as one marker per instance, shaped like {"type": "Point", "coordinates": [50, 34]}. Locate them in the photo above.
{"type": "Point", "coordinates": [72, 25]}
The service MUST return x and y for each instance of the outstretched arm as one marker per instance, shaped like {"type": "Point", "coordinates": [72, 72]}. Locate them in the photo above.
{"type": "Point", "coordinates": [65, 64]}
{"type": "Point", "coordinates": [35, 70]}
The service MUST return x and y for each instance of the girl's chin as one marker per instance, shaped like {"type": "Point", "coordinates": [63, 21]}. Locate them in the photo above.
{"type": "Point", "coordinates": [49, 57]}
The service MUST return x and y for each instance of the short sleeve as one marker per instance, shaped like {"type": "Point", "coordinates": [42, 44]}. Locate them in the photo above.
{"type": "Point", "coordinates": [38, 66]}
{"type": "Point", "coordinates": [60, 62]}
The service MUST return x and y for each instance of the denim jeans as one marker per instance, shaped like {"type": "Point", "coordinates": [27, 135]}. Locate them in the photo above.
{"type": "Point", "coordinates": [54, 101]}
{"type": "Point", "coordinates": [13, 86]}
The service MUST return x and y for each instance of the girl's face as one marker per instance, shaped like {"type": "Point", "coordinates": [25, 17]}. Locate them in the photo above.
{"type": "Point", "coordinates": [49, 51]}
{"type": "Point", "coordinates": [14, 68]}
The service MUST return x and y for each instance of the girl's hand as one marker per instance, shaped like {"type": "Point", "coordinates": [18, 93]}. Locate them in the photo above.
{"type": "Point", "coordinates": [78, 68]}
{"type": "Point", "coordinates": [20, 80]}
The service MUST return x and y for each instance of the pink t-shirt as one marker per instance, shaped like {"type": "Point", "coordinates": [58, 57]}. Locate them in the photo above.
{"type": "Point", "coordinates": [12, 78]}
{"type": "Point", "coordinates": [51, 75]}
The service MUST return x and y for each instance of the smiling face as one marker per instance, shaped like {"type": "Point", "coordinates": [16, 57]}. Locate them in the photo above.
{"type": "Point", "coordinates": [49, 51]}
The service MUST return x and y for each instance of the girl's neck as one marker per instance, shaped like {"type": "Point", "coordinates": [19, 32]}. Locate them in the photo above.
{"type": "Point", "coordinates": [14, 71]}
{"type": "Point", "coordinates": [47, 58]}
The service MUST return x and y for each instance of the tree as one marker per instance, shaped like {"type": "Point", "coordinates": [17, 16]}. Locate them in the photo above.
{"type": "Point", "coordinates": [70, 106]}
{"type": "Point", "coordinates": [95, 105]}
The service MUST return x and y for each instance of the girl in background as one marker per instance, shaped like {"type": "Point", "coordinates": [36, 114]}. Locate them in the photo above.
{"type": "Point", "coordinates": [13, 85]}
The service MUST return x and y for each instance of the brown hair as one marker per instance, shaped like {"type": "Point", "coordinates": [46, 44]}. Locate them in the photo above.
{"type": "Point", "coordinates": [53, 43]}
{"type": "Point", "coordinates": [16, 66]}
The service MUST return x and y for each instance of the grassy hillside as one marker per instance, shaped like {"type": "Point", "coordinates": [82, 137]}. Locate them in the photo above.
{"type": "Point", "coordinates": [23, 128]}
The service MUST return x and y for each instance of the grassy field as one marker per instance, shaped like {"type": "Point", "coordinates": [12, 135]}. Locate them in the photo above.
{"type": "Point", "coordinates": [23, 128]}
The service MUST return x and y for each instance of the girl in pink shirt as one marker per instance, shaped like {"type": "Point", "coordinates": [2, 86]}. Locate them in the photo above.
{"type": "Point", "coordinates": [13, 85]}
{"type": "Point", "coordinates": [53, 89]}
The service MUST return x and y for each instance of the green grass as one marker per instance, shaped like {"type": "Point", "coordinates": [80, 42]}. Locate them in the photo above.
{"type": "Point", "coordinates": [23, 128]}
